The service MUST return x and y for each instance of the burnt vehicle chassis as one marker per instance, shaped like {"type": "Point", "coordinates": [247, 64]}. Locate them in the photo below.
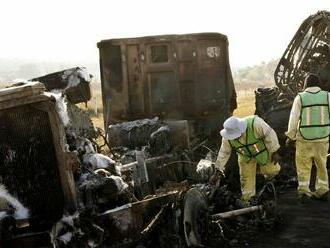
{"type": "Point", "coordinates": [37, 171]}
{"type": "Point", "coordinates": [307, 52]}
{"type": "Point", "coordinates": [174, 77]}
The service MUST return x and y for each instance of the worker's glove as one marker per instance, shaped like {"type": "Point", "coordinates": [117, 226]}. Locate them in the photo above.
{"type": "Point", "coordinates": [289, 142]}
{"type": "Point", "coordinates": [275, 157]}
{"type": "Point", "coordinates": [216, 177]}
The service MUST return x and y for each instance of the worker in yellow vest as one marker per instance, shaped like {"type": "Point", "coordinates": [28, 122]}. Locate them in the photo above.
{"type": "Point", "coordinates": [309, 125]}
{"type": "Point", "coordinates": [256, 144]}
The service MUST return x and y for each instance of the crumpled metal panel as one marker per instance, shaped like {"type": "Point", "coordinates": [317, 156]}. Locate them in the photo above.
{"type": "Point", "coordinates": [308, 51]}
{"type": "Point", "coordinates": [128, 221]}
{"type": "Point", "coordinates": [73, 82]}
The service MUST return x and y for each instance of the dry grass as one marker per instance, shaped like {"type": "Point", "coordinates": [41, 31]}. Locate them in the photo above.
{"type": "Point", "coordinates": [94, 106]}
{"type": "Point", "coordinates": [98, 121]}
{"type": "Point", "coordinates": [246, 103]}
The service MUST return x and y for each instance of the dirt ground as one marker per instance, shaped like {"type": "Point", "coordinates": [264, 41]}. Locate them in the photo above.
{"type": "Point", "coordinates": [304, 225]}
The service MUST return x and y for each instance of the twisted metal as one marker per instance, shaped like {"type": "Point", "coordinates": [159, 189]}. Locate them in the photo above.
{"type": "Point", "coordinates": [308, 51]}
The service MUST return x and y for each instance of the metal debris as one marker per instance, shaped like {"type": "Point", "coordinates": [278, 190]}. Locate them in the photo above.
{"type": "Point", "coordinates": [308, 52]}
{"type": "Point", "coordinates": [74, 83]}
{"type": "Point", "coordinates": [146, 192]}
{"type": "Point", "coordinates": [139, 203]}
{"type": "Point", "coordinates": [132, 134]}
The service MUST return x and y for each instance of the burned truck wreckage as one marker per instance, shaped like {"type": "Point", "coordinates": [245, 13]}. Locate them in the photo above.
{"type": "Point", "coordinates": [308, 52]}
{"type": "Point", "coordinates": [173, 77]}
{"type": "Point", "coordinates": [54, 199]}
{"type": "Point", "coordinates": [61, 192]}
{"type": "Point", "coordinates": [164, 99]}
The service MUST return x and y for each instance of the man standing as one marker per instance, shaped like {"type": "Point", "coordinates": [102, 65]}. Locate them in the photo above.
{"type": "Point", "coordinates": [256, 144]}
{"type": "Point", "coordinates": [309, 125]}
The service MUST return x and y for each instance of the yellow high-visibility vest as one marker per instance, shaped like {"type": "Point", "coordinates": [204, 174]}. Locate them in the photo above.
{"type": "Point", "coordinates": [253, 147]}
{"type": "Point", "coordinates": [315, 115]}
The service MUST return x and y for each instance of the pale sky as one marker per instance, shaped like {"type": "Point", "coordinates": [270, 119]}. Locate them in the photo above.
{"type": "Point", "coordinates": [67, 30]}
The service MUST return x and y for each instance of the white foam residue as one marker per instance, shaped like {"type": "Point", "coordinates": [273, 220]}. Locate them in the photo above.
{"type": "Point", "coordinates": [204, 169]}
{"type": "Point", "coordinates": [68, 220]}
{"type": "Point", "coordinates": [74, 80]}
{"type": "Point", "coordinates": [76, 75]}
{"type": "Point", "coordinates": [61, 106]}
{"type": "Point", "coordinates": [97, 160]}
{"type": "Point", "coordinates": [89, 146]}
{"type": "Point", "coordinates": [2, 214]}
{"type": "Point", "coordinates": [82, 73]}
{"type": "Point", "coordinates": [121, 185]}
{"type": "Point", "coordinates": [66, 238]}
{"type": "Point", "coordinates": [21, 212]}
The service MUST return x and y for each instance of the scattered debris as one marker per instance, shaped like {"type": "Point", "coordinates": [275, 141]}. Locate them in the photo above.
{"type": "Point", "coordinates": [205, 168]}
{"type": "Point", "coordinates": [61, 106]}
{"type": "Point", "coordinates": [132, 134]}
{"type": "Point", "coordinates": [147, 192]}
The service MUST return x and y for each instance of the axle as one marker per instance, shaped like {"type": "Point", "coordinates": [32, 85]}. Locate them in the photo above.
{"type": "Point", "coordinates": [237, 212]}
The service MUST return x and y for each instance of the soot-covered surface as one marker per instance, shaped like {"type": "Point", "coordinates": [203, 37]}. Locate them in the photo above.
{"type": "Point", "coordinates": [28, 166]}
{"type": "Point", "coordinates": [304, 225]}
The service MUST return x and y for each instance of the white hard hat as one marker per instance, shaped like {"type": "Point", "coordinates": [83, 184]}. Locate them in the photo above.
{"type": "Point", "coordinates": [233, 128]}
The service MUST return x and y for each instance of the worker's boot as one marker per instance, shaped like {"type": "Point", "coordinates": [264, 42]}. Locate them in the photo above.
{"type": "Point", "coordinates": [303, 198]}
{"type": "Point", "coordinates": [323, 197]}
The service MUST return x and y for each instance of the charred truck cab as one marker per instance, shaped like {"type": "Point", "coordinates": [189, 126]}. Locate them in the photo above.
{"type": "Point", "coordinates": [174, 77]}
